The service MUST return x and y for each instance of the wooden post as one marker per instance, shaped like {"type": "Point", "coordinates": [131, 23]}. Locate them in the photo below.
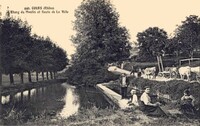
{"type": "Point", "coordinates": [0, 69]}
{"type": "Point", "coordinates": [161, 63]}
{"type": "Point", "coordinates": [189, 62]}
{"type": "Point", "coordinates": [158, 64]}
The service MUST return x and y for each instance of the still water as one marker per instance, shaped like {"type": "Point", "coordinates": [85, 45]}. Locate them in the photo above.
{"type": "Point", "coordinates": [60, 100]}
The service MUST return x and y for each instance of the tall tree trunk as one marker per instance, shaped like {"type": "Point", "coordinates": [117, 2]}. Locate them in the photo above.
{"type": "Point", "coordinates": [22, 77]}
{"type": "Point", "coordinates": [36, 76]}
{"type": "Point", "coordinates": [42, 75]}
{"type": "Point", "coordinates": [51, 75]}
{"type": "Point", "coordinates": [29, 94]}
{"type": "Point", "coordinates": [54, 74]}
{"type": "Point", "coordinates": [47, 74]}
{"type": "Point", "coordinates": [11, 78]}
{"type": "Point", "coordinates": [29, 76]}
{"type": "Point", "coordinates": [22, 97]}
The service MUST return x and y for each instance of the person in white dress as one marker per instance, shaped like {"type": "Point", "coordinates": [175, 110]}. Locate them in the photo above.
{"type": "Point", "coordinates": [149, 108]}
{"type": "Point", "coordinates": [134, 98]}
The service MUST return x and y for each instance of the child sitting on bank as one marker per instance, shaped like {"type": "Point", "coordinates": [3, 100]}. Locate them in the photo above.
{"type": "Point", "coordinates": [134, 97]}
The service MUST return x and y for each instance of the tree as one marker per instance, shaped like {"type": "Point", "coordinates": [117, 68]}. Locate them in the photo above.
{"type": "Point", "coordinates": [99, 40]}
{"type": "Point", "coordinates": [98, 33]}
{"type": "Point", "coordinates": [151, 42]}
{"type": "Point", "coordinates": [46, 56]}
{"type": "Point", "coordinates": [60, 59]}
{"type": "Point", "coordinates": [15, 45]}
{"type": "Point", "coordinates": [188, 34]}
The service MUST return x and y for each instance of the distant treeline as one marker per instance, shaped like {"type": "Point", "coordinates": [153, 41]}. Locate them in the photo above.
{"type": "Point", "coordinates": [185, 41]}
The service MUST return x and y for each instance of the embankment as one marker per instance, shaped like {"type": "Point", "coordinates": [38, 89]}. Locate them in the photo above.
{"type": "Point", "coordinates": [173, 88]}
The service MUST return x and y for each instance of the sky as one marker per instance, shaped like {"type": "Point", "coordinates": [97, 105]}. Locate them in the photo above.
{"type": "Point", "coordinates": [135, 15]}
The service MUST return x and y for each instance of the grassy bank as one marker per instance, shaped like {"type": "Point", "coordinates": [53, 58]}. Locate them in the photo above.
{"type": "Point", "coordinates": [110, 117]}
{"type": "Point", "coordinates": [173, 88]}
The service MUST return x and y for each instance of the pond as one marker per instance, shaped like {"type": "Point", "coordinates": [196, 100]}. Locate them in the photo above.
{"type": "Point", "coordinates": [60, 100]}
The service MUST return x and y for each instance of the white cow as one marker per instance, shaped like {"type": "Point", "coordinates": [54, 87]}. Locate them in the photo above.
{"type": "Point", "coordinates": [150, 71]}
{"type": "Point", "coordinates": [195, 69]}
{"type": "Point", "coordinates": [185, 71]}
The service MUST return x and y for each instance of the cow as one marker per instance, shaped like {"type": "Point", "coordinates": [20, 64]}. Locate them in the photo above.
{"type": "Point", "coordinates": [173, 71]}
{"type": "Point", "coordinates": [195, 69]}
{"type": "Point", "coordinates": [150, 71]}
{"type": "Point", "coordinates": [185, 71]}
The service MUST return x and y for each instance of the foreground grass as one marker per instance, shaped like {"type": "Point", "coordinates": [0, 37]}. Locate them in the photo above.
{"type": "Point", "coordinates": [109, 117]}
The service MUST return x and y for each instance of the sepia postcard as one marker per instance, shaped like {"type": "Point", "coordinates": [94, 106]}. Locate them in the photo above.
{"type": "Point", "coordinates": [100, 62]}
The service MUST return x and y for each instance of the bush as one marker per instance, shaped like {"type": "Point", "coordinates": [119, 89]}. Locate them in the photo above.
{"type": "Point", "coordinates": [89, 72]}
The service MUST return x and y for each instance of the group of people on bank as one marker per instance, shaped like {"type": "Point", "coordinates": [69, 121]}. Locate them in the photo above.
{"type": "Point", "coordinates": [146, 104]}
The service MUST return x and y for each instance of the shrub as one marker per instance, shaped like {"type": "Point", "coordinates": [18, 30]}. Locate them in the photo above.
{"type": "Point", "coordinates": [88, 72]}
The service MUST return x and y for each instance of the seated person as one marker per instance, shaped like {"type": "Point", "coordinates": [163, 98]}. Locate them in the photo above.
{"type": "Point", "coordinates": [134, 97]}
{"type": "Point", "coordinates": [151, 109]}
{"type": "Point", "coordinates": [187, 104]}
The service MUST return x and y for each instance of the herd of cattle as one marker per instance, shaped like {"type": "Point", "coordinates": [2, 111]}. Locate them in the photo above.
{"type": "Point", "coordinates": [184, 72]}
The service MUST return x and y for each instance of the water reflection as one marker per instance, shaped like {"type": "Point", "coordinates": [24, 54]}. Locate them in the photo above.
{"type": "Point", "coordinates": [5, 99]}
{"type": "Point", "coordinates": [58, 99]}
{"type": "Point", "coordinates": [71, 100]}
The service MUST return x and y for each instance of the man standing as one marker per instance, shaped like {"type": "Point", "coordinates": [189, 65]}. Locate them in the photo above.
{"type": "Point", "coordinates": [123, 86]}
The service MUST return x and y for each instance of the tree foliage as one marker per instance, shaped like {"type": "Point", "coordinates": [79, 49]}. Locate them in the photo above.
{"type": "Point", "coordinates": [99, 40]}
{"type": "Point", "coordinates": [22, 52]}
{"type": "Point", "coordinates": [151, 42]}
{"type": "Point", "coordinates": [99, 35]}
{"type": "Point", "coordinates": [15, 44]}
{"type": "Point", "coordinates": [188, 34]}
